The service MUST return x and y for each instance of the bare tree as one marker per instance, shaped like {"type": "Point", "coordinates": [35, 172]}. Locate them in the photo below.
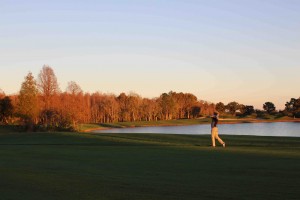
{"type": "Point", "coordinates": [47, 85]}
{"type": "Point", "coordinates": [74, 88]}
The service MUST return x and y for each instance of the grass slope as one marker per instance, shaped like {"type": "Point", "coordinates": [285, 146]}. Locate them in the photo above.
{"type": "Point", "coordinates": [146, 166]}
{"type": "Point", "coordinates": [179, 122]}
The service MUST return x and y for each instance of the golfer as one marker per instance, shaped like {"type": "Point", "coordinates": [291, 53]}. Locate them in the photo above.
{"type": "Point", "coordinates": [214, 130]}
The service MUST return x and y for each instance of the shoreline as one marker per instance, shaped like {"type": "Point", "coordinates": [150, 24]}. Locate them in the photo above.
{"type": "Point", "coordinates": [241, 121]}
{"type": "Point", "coordinates": [221, 121]}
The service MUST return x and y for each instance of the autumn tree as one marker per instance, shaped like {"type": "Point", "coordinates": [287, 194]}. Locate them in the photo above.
{"type": "Point", "coordinates": [269, 107]}
{"type": "Point", "coordinates": [77, 100]}
{"type": "Point", "coordinates": [94, 107]}
{"type": "Point", "coordinates": [123, 104]}
{"type": "Point", "coordinates": [27, 107]}
{"type": "Point", "coordinates": [204, 108]}
{"type": "Point", "coordinates": [248, 110]}
{"type": "Point", "coordinates": [241, 109]}
{"type": "Point", "coordinates": [86, 108]}
{"type": "Point", "coordinates": [232, 107]}
{"type": "Point", "coordinates": [113, 108]}
{"type": "Point", "coordinates": [196, 110]}
{"type": "Point", "coordinates": [167, 104]}
{"type": "Point", "coordinates": [109, 108]}
{"type": "Point", "coordinates": [189, 102]}
{"type": "Point", "coordinates": [293, 107]}
{"type": "Point", "coordinates": [47, 85]}
{"type": "Point", "coordinates": [74, 107]}
{"type": "Point", "coordinates": [73, 88]}
{"type": "Point", "coordinates": [220, 107]}
{"type": "Point", "coordinates": [147, 109]}
{"type": "Point", "coordinates": [133, 104]}
{"type": "Point", "coordinates": [49, 89]}
{"type": "Point", "coordinates": [6, 109]}
{"type": "Point", "coordinates": [2, 94]}
{"type": "Point", "coordinates": [104, 108]}
{"type": "Point", "coordinates": [179, 99]}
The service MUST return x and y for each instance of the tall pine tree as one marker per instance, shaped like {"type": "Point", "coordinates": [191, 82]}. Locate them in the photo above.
{"type": "Point", "coordinates": [28, 108]}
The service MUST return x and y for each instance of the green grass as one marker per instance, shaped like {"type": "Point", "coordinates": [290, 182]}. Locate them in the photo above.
{"type": "Point", "coordinates": [8, 129]}
{"type": "Point", "coordinates": [146, 166]}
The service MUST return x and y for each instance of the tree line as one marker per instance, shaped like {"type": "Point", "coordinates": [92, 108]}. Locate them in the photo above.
{"type": "Point", "coordinates": [41, 104]}
{"type": "Point", "coordinates": [292, 109]}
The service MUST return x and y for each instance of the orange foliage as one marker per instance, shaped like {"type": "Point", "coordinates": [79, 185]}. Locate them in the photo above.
{"type": "Point", "coordinates": [68, 109]}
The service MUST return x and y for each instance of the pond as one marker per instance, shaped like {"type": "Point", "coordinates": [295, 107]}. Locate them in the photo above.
{"type": "Point", "coordinates": [290, 129]}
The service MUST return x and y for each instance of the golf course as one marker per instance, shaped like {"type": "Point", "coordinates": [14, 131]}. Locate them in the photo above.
{"type": "Point", "coordinates": [52, 165]}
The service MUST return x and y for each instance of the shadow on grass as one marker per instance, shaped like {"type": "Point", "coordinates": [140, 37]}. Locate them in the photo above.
{"type": "Point", "coordinates": [111, 125]}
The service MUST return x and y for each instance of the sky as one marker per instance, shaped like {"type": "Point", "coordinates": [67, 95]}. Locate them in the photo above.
{"type": "Point", "coordinates": [220, 50]}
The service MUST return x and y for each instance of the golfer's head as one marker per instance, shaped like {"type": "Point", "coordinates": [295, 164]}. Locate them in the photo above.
{"type": "Point", "coordinates": [216, 114]}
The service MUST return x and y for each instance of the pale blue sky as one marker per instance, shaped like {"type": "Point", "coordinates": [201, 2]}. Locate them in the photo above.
{"type": "Point", "coordinates": [219, 50]}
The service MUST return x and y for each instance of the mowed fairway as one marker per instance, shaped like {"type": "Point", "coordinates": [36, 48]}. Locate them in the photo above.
{"type": "Point", "coordinates": [147, 166]}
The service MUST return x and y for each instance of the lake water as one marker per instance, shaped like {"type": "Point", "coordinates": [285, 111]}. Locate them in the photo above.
{"type": "Point", "coordinates": [261, 129]}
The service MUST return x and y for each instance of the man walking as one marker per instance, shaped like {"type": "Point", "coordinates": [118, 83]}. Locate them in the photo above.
{"type": "Point", "coordinates": [214, 130]}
